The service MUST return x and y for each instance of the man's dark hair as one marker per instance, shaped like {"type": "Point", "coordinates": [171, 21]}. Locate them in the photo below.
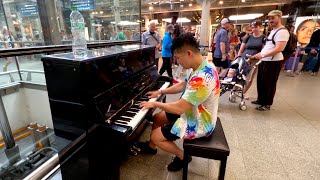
{"type": "Point", "coordinates": [185, 40]}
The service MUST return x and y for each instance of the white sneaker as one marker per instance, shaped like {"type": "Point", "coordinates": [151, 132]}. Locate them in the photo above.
{"type": "Point", "coordinates": [314, 74]}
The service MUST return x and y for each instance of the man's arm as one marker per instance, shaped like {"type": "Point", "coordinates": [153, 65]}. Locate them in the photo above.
{"type": "Point", "coordinates": [178, 107]}
{"type": "Point", "coordinates": [223, 50]}
{"type": "Point", "coordinates": [177, 88]}
{"type": "Point", "coordinates": [143, 39]}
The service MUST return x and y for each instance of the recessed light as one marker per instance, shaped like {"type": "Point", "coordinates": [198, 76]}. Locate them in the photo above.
{"type": "Point", "coordinates": [220, 2]}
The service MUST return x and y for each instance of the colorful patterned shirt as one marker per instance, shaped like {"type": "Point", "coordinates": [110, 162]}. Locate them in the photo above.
{"type": "Point", "coordinates": [202, 91]}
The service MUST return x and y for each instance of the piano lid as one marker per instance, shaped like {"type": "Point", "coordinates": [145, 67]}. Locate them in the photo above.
{"type": "Point", "coordinates": [103, 52]}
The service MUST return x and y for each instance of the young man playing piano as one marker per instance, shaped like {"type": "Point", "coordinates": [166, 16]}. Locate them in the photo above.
{"type": "Point", "coordinates": [195, 114]}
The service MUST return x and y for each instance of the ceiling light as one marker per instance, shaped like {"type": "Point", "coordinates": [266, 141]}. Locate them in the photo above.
{"type": "Point", "coordinates": [181, 5]}
{"type": "Point", "coordinates": [181, 0]}
{"type": "Point", "coordinates": [190, 4]}
{"type": "Point", "coordinates": [127, 10]}
{"type": "Point", "coordinates": [220, 2]}
{"type": "Point", "coordinates": [245, 16]}
{"type": "Point", "coordinates": [101, 12]}
{"type": "Point", "coordinates": [243, 0]}
{"type": "Point", "coordinates": [150, 8]}
{"type": "Point", "coordinates": [182, 20]}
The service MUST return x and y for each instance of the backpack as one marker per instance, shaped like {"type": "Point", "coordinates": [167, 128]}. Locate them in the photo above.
{"type": "Point", "coordinates": [291, 43]}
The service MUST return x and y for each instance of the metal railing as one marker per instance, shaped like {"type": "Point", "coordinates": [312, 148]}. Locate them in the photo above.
{"type": "Point", "coordinates": [27, 51]}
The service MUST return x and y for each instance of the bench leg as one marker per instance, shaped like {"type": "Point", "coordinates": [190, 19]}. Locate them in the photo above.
{"type": "Point", "coordinates": [222, 170]}
{"type": "Point", "coordinates": [185, 167]}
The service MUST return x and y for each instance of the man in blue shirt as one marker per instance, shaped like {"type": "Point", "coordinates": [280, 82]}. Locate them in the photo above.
{"type": "Point", "coordinates": [222, 48]}
{"type": "Point", "coordinates": [166, 51]}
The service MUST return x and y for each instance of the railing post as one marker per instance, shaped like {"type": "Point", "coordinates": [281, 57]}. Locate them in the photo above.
{"type": "Point", "coordinates": [12, 150]}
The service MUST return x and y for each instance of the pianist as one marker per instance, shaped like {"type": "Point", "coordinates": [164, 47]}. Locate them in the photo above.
{"type": "Point", "coordinates": [195, 114]}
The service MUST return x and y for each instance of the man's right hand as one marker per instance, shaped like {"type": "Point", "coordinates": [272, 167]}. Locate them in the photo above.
{"type": "Point", "coordinates": [224, 57]}
{"type": "Point", "coordinates": [153, 94]}
{"type": "Point", "coordinates": [313, 51]}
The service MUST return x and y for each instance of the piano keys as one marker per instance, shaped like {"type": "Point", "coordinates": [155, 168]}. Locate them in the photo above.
{"type": "Point", "coordinates": [97, 99]}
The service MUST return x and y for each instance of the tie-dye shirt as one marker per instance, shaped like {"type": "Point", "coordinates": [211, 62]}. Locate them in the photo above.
{"type": "Point", "coordinates": [202, 91]}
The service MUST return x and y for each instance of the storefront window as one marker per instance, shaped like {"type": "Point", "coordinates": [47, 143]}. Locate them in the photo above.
{"type": "Point", "coordinates": [23, 22]}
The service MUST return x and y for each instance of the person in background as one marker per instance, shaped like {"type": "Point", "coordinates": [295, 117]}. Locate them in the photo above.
{"type": "Point", "coordinates": [252, 45]}
{"type": "Point", "coordinates": [136, 36]}
{"type": "Point", "coordinates": [166, 51]}
{"type": "Point", "coordinates": [120, 35]}
{"type": "Point", "coordinates": [234, 38]}
{"type": "Point", "coordinates": [232, 53]}
{"type": "Point", "coordinates": [151, 37]}
{"type": "Point", "coordinates": [313, 49]}
{"type": "Point", "coordinates": [271, 57]}
{"type": "Point", "coordinates": [245, 34]}
{"type": "Point", "coordinates": [222, 48]}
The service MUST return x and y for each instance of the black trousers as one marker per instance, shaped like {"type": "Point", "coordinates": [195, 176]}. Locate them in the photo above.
{"type": "Point", "coordinates": [166, 66]}
{"type": "Point", "coordinates": [317, 66]}
{"type": "Point", "coordinates": [268, 74]}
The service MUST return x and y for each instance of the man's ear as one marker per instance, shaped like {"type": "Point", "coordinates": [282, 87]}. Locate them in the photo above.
{"type": "Point", "coordinates": [190, 53]}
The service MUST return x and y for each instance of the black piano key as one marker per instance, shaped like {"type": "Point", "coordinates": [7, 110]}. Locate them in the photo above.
{"type": "Point", "coordinates": [144, 99]}
{"type": "Point", "coordinates": [134, 110]}
{"type": "Point", "coordinates": [136, 106]}
{"type": "Point", "coordinates": [125, 119]}
{"type": "Point", "coordinates": [129, 114]}
{"type": "Point", "coordinates": [120, 122]}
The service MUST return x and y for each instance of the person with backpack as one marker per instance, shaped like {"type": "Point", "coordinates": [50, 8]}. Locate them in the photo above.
{"type": "Point", "coordinates": [291, 45]}
{"type": "Point", "coordinates": [271, 58]}
{"type": "Point", "coordinates": [252, 45]}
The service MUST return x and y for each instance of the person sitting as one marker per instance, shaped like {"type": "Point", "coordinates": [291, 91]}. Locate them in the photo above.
{"type": "Point", "coordinates": [195, 114]}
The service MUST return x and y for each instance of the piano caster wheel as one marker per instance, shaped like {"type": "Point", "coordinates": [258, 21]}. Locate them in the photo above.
{"type": "Point", "coordinates": [133, 152]}
{"type": "Point", "coordinates": [136, 148]}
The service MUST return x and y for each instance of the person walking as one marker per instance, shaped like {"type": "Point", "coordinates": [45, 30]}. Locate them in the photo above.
{"type": "Point", "coordinates": [271, 61]}
{"type": "Point", "coordinates": [222, 48]}
{"type": "Point", "coordinates": [252, 45]}
{"type": "Point", "coordinates": [166, 51]}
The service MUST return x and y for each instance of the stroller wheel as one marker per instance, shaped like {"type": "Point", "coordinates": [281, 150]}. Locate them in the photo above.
{"type": "Point", "coordinates": [232, 98]}
{"type": "Point", "coordinates": [243, 106]}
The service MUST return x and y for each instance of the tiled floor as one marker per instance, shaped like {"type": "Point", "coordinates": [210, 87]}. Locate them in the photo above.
{"type": "Point", "coordinates": [283, 143]}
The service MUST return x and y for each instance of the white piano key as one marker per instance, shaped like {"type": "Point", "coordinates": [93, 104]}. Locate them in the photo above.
{"type": "Point", "coordinates": [142, 112]}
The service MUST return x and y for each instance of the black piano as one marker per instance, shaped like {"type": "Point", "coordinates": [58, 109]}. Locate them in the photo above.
{"type": "Point", "coordinates": [93, 103]}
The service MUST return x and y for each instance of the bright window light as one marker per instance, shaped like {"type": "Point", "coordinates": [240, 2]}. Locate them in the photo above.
{"type": "Point", "coordinates": [126, 23]}
{"type": "Point", "coordinates": [245, 16]}
{"type": "Point", "coordinates": [182, 20]}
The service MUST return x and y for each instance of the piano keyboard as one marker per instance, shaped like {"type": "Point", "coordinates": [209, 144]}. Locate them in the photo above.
{"type": "Point", "coordinates": [135, 114]}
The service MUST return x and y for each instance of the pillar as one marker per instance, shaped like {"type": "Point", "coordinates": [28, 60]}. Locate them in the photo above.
{"type": "Point", "coordinates": [49, 23]}
{"type": "Point", "coordinates": [205, 23]}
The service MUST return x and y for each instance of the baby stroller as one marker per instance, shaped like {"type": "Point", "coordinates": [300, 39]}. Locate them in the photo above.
{"type": "Point", "coordinates": [235, 80]}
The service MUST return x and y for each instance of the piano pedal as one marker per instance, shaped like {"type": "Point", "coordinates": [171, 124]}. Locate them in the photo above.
{"type": "Point", "coordinates": [136, 148]}
{"type": "Point", "coordinates": [133, 152]}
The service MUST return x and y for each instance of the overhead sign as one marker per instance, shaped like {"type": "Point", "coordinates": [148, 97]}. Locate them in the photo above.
{"type": "Point", "coordinates": [83, 5]}
{"type": "Point", "coordinates": [28, 10]}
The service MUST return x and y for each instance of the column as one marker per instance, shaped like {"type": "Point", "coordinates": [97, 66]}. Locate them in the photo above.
{"type": "Point", "coordinates": [146, 23]}
{"type": "Point", "coordinates": [49, 23]}
{"type": "Point", "coordinates": [205, 23]}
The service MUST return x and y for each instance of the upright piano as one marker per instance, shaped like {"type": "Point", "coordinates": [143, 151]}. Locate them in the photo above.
{"type": "Point", "coordinates": [94, 103]}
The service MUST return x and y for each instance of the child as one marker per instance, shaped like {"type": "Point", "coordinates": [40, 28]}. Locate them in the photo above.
{"type": "Point", "coordinates": [232, 52]}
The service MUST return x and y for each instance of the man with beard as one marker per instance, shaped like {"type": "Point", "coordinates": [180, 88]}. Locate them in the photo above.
{"type": "Point", "coordinates": [271, 57]}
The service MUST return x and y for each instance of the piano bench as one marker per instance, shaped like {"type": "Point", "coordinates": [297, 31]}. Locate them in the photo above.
{"type": "Point", "coordinates": [213, 147]}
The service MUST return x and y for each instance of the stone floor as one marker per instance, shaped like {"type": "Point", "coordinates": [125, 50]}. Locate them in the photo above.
{"type": "Point", "coordinates": [283, 143]}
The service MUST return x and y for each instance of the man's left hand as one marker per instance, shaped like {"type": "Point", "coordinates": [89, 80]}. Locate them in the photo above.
{"type": "Point", "coordinates": [147, 105]}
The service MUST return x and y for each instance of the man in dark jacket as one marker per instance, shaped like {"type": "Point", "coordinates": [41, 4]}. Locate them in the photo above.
{"type": "Point", "coordinates": [313, 48]}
